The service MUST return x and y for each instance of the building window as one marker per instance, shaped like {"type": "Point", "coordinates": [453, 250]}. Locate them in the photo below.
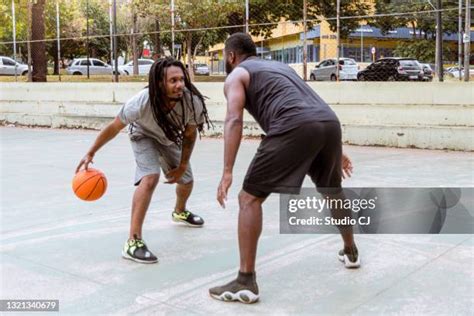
{"type": "Point", "coordinates": [295, 54]}
{"type": "Point", "coordinates": [310, 53]}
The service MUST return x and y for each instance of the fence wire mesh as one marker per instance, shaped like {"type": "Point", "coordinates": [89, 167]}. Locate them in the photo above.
{"type": "Point", "coordinates": [378, 40]}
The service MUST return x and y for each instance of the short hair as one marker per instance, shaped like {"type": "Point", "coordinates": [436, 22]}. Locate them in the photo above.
{"type": "Point", "coordinates": [241, 44]}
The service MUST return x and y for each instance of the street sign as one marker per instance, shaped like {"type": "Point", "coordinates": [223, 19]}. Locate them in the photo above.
{"type": "Point", "coordinates": [372, 50]}
{"type": "Point", "coordinates": [466, 38]}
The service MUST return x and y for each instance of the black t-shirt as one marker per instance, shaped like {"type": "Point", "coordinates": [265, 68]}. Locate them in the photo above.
{"type": "Point", "coordinates": [279, 99]}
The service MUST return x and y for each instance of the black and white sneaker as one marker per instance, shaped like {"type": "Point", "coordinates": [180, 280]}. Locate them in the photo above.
{"type": "Point", "coordinates": [188, 218]}
{"type": "Point", "coordinates": [136, 250]}
{"type": "Point", "coordinates": [350, 259]}
{"type": "Point", "coordinates": [237, 290]}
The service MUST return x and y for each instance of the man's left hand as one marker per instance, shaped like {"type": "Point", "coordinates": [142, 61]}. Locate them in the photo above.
{"type": "Point", "coordinates": [223, 188]}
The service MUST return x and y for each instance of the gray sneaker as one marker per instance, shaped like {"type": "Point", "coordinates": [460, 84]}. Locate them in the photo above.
{"type": "Point", "coordinates": [235, 291]}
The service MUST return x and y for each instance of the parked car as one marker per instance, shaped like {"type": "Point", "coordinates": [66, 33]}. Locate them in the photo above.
{"type": "Point", "coordinates": [96, 67]}
{"type": "Point", "coordinates": [7, 67]}
{"type": "Point", "coordinates": [454, 72]}
{"type": "Point", "coordinates": [201, 69]}
{"type": "Point", "coordinates": [427, 72]}
{"type": "Point", "coordinates": [326, 70]}
{"type": "Point", "coordinates": [392, 69]}
{"type": "Point", "coordinates": [144, 66]}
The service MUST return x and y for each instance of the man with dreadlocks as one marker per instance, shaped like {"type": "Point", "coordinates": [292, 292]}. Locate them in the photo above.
{"type": "Point", "coordinates": [163, 120]}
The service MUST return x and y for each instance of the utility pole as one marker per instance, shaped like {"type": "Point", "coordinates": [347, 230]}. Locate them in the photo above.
{"type": "Point", "coordinates": [134, 41]}
{"type": "Point", "coordinates": [58, 39]}
{"type": "Point", "coordinates": [338, 21]}
{"type": "Point", "coordinates": [14, 38]}
{"type": "Point", "coordinates": [460, 28]}
{"type": "Point", "coordinates": [172, 28]}
{"type": "Point", "coordinates": [467, 40]}
{"type": "Point", "coordinates": [305, 45]}
{"type": "Point", "coordinates": [87, 41]}
{"type": "Point", "coordinates": [439, 42]}
{"type": "Point", "coordinates": [111, 31]}
{"type": "Point", "coordinates": [361, 43]}
{"type": "Point", "coordinates": [115, 41]}
{"type": "Point", "coordinates": [247, 14]}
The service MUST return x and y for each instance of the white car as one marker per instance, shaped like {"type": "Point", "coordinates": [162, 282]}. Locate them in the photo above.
{"type": "Point", "coordinates": [454, 72]}
{"type": "Point", "coordinates": [144, 66]}
{"type": "Point", "coordinates": [96, 67]}
{"type": "Point", "coordinates": [8, 66]}
{"type": "Point", "coordinates": [326, 70]}
{"type": "Point", "coordinates": [201, 69]}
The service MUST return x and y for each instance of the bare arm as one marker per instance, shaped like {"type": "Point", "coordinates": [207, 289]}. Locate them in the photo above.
{"type": "Point", "coordinates": [234, 90]}
{"type": "Point", "coordinates": [189, 139]}
{"type": "Point", "coordinates": [108, 133]}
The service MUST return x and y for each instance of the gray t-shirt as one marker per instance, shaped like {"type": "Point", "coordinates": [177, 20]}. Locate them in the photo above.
{"type": "Point", "coordinates": [138, 112]}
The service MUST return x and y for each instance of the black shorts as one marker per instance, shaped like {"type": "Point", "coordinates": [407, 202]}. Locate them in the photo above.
{"type": "Point", "coordinates": [282, 161]}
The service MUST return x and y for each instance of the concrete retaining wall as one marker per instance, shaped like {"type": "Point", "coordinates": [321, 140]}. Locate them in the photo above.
{"type": "Point", "coordinates": [422, 115]}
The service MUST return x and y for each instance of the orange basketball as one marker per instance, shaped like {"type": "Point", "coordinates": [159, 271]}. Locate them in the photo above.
{"type": "Point", "coordinates": [89, 185]}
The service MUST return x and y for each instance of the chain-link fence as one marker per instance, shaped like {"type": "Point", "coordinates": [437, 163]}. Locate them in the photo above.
{"type": "Point", "coordinates": [321, 40]}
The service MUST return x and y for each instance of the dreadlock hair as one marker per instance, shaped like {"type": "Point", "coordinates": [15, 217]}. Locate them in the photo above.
{"type": "Point", "coordinates": [173, 130]}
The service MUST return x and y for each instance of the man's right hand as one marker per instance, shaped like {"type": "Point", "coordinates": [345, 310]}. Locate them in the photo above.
{"type": "Point", "coordinates": [347, 167]}
{"type": "Point", "coordinates": [85, 162]}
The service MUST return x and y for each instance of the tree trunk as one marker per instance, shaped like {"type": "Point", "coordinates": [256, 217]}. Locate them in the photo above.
{"type": "Point", "coordinates": [38, 49]}
{"type": "Point", "coordinates": [189, 55]}
{"type": "Point", "coordinates": [55, 58]}
{"type": "Point", "coordinates": [140, 50]}
{"type": "Point", "coordinates": [197, 46]}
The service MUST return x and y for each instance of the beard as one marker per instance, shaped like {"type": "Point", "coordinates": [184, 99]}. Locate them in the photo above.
{"type": "Point", "coordinates": [228, 67]}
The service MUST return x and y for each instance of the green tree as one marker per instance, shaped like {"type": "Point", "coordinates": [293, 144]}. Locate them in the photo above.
{"type": "Point", "coordinates": [423, 50]}
{"type": "Point", "coordinates": [124, 26]}
{"type": "Point", "coordinates": [71, 23]}
{"type": "Point", "coordinates": [423, 25]}
{"type": "Point", "coordinates": [415, 17]}
{"type": "Point", "coordinates": [264, 14]}
{"type": "Point", "coordinates": [99, 30]}
{"type": "Point", "coordinates": [195, 15]}
{"type": "Point", "coordinates": [6, 27]}
{"type": "Point", "coordinates": [156, 18]}
{"type": "Point", "coordinates": [197, 23]}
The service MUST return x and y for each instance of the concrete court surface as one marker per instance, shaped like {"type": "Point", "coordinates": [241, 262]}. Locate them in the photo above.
{"type": "Point", "coordinates": [54, 246]}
